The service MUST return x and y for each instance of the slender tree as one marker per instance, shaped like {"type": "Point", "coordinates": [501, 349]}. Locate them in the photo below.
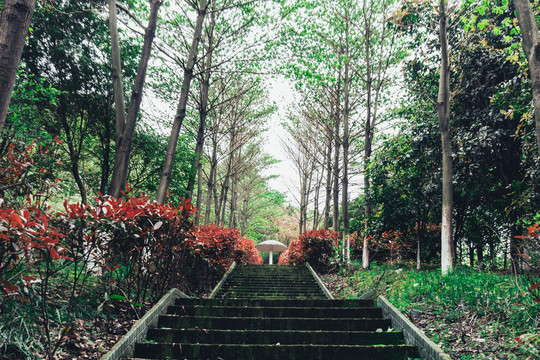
{"type": "Point", "coordinates": [14, 23]}
{"type": "Point", "coordinates": [125, 126]}
{"type": "Point", "coordinates": [443, 111]}
{"type": "Point", "coordinates": [166, 173]}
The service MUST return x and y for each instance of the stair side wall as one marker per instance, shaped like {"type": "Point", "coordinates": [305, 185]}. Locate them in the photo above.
{"type": "Point", "coordinates": [413, 335]}
{"type": "Point", "coordinates": [126, 346]}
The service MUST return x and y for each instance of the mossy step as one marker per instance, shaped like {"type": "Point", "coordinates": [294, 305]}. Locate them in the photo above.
{"type": "Point", "coordinates": [272, 297]}
{"type": "Point", "coordinates": [348, 303]}
{"type": "Point", "coordinates": [267, 283]}
{"type": "Point", "coordinates": [241, 296]}
{"type": "Point", "coordinates": [290, 352]}
{"type": "Point", "coordinates": [273, 290]}
{"type": "Point", "coordinates": [211, 336]}
{"type": "Point", "coordinates": [265, 289]}
{"type": "Point", "coordinates": [272, 284]}
{"type": "Point", "coordinates": [284, 323]}
{"type": "Point", "coordinates": [315, 312]}
{"type": "Point", "coordinates": [272, 279]}
{"type": "Point", "coordinates": [262, 295]}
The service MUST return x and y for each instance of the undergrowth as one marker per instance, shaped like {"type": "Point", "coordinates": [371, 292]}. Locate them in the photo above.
{"type": "Point", "coordinates": [471, 314]}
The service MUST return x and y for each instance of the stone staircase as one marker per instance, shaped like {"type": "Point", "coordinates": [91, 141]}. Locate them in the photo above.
{"type": "Point", "coordinates": [271, 282]}
{"type": "Point", "coordinates": [273, 312]}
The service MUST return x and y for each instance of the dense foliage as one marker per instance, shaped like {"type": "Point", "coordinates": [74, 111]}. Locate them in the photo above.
{"type": "Point", "coordinates": [316, 247]}
{"type": "Point", "coordinates": [53, 262]}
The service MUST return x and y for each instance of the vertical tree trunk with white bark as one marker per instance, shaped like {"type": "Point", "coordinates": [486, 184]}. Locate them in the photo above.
{"type": "Point", "coordinates": [443, 111]}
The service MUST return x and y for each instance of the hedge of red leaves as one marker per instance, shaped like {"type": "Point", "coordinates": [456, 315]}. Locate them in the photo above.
{"type": "Point", "coordinates": [222, 246]}
{"type": "Point", "coordinates": [136, 246]}
{"type": "Point", "coordinates": [317, 247]}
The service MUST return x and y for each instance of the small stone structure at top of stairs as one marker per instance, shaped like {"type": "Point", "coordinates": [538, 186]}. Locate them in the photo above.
{"type": "Point", "coordinates": [273, 312]}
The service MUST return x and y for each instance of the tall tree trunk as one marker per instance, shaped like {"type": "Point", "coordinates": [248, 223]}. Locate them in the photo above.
{"type": "Point", "coordinates": [125, 127]}
{"type": "Point", "coordinates": [220, 213]}
{"type": "Point", "coordinates": [198, 151]}
{"type": "Point", "coordinates": [203, 109]}
{"type": "Point", "coordinates": [480, 255]}
{"type": "Point", "coordinates": [234, 199]}
{"type": "Point", "coordinates": [116, 72]}
{"type": "Point", "coordinates": [303, 185]}
{"type": "Point", "coordinates": [368, 137]}
{"type": "Point", "coordinates": [106, 141]}
{"type": "Point", "coordinates": [345, 176]}
{"type": "Point", "coordinates": [531, 47]}
{"type": "Point", "coordinates": [328, 163]}
{"type": "Point", "coordinates": [199, 193]}
{"type": "Point", "coordinates": [337, 146]}
{"type": "Point", "coordinates": [336, 179]}
{"type": "Point", "coordinates": [182, 105]}
{"type": "Point", "coordinates": [443, 111]}
{"type": "Point", "coordinates": [418, 247]}
{"type": "Point", "coordinates": [14, 23]}
{"type": "Point", "coordinates": [211, 183]}
{"type": "Point", "coordinates": [316, 214]}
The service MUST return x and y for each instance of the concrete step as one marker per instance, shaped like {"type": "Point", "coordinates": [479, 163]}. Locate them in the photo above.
{"type": "Point", "coordinates": [260, 311]}
{"type": "Point", "coordinates": [348, 303]}
{"type": "Point", "coordinates": [274, 351]}
{"type": "Point", "coordinates": [283, 323]}
{"type": "Point", "coordinates": [216, 336]}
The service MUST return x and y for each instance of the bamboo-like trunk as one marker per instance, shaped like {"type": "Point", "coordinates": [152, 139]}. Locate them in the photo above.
{"type": "Point", "coordinates": [182, 106]}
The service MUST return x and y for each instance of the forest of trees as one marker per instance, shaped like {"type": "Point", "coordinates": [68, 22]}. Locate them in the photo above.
{"type": "Point", "coordinates": [413, 117]}
{"type": "Point", "coordinates": [429, 107]}
{"type": "Point", "coordinates": [198, 57]}
{"type": "Point", "coordinates": [134, 157]}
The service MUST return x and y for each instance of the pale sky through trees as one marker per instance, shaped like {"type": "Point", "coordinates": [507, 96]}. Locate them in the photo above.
{"type": "Point", "coordinates": [282, 93]}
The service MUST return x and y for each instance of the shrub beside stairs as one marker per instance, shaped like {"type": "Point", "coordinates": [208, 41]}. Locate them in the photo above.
{"type": "Point", "coordinates": [273, 312]}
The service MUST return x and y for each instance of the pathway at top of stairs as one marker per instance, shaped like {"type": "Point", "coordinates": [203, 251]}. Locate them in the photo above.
{"type": "Point", "coordinates": [271, 282]}
{"type": "Point", "coordinates": [273, 312]}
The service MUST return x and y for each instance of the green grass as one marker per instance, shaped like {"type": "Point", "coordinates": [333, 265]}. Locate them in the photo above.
{"type": "Point", "coordinates": [475, 312]}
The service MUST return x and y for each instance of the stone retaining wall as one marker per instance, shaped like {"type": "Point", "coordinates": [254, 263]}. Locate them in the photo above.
{"type": "Point", "coordinates": [413, 336]}
{"type": "Point", "coordinates": [125, 347]}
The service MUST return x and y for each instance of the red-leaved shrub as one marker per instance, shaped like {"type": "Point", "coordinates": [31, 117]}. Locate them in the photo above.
{"type": "Point", "coordinates": [317, 247]}
{"type": "Point", "coordinates": [222, 246]}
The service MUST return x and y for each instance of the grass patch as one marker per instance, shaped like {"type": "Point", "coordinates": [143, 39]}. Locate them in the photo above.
{"type": "Point", "coordinates": [471, 314]}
